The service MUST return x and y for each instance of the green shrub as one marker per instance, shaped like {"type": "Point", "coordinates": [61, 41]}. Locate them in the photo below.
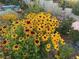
{"type": "Point", "coordinates": [75, 9]}
{"type": "Point", "coordinates": [65, 26]}
{"type": "Point", "coordinates": [74, 35]}
{"type": "Point", "coordinates": [9, 2]}
{"type": "Point", "coordinates": [66, 51]}
{"type": "Point", "coordinates": [66, 30]}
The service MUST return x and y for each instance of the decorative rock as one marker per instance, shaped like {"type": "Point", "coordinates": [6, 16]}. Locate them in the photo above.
{"type": "Point", "coordinates": [75, 25]}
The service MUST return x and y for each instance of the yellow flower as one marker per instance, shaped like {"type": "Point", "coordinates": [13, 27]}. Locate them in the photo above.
{"type": "Point", "coordinates": [47, 50]}
{"type": "Point", "coordinates": [39, 28]}
{"type": "Point", "coordinates": [27, 32]}
{"type": "Point", "coordinates": [30, 15]}
{"type": "Point", "coordinates": [62, 41]}
{"type": "Point", "coordinates": [4, 27]}
{"type": "Point", "coordinates": [32, 33]}
{"type": "Point", "coordinates": [48, 15]}
{"type": "Point", "coordinates": [40, 34]}
{"type": "Point", "coordinates": [16, 47]}
{"type": "Point", "coordinates": [14, 28]}
{"type": "Point", "coordinates": [4, 31]}
{"type": "Point", "coordinates": [45, 38]}
{"type": "Point", "coordinates": [57, 56]}
{"type": "Point", "coordinates": [28, 22]}
{"type": "Point", "coordinates": [48, 30]}
{"type": "Point", "coordinates": [56, 47]}
{"type": "Point", "coordinates": [17, 22]}
{"type": "Point", "coordinates": [30, 27]}
{"type": "Point", "coordinates": [48, 46]}
{"type": "Point", "coordinates": [5, 42]}
{"type": "Point", "coordinates": [37, 42]}
{"type": "Point", "coordinates": [14, 36]}
{"type": "Point", "coordinates": [9, 16]}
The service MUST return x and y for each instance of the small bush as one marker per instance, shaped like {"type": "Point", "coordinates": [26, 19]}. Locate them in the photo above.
{"type": "Point", "coordinates": [76, 9]}
{"type": "Point", "coordinates": [65, 26]}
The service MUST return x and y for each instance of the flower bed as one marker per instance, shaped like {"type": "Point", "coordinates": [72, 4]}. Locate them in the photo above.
{"type": "Point", "coordinates": [33, 37]}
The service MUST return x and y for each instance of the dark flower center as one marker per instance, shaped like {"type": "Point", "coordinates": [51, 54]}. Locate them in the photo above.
{"type": "Point", "coordinates": [4, 42]}
{"type": "Point", "coordinates": [37, 41]}
{"type": "Point", "coordinates": [16, 46]}
{"type": "Point", "coordinates": [32, 32]}
{"type": "Point", "coordinates": [28, 22]}
{"type": "Point", "coordinates": [40, 16]}
{"type": "Point", "coordinates": [27, 35]}
{"type": "Point", "coordinates": [4, 26]}
{"type": "Point", "coordinates": [16, 22]}
{"type": "Point", "coordinates": [41, 26]}
{"type": "Point", "coordinates": [44, 37]}
{"type": "Point", "coordinates": [27, 30]}
{"type": "Point", "coordinates": [0, 29]}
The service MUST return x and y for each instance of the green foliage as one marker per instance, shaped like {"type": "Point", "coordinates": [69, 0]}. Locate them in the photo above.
{"type": "Point", "coordinates": [65, 29]}
{"type": "Point", "coordinates": [74, 35]}
{"type": "Point", "coordinates": [65, 51]}
{"type": "Point", "coordinates": [33, 51]}
{"type": "Point", "coordinates": [20, 31]}
{"type": "Point", "coordinates": [65, 26]}
{"type": "Point", "coordinates": [76, 9]}
{"type": "Point", "coordinates": [9, 2]}
{"type": "Point", "coordinates": [68, 4]}
{"type": "Point", "coordinates": [34, 8]}
{"type": "Point", "coordinates": [61, 3]}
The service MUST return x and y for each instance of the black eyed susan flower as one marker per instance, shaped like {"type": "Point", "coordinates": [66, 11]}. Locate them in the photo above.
{"type": "Point", "coordinates": [40, 34]}
{"type": "Point", "coordinates": [28, 22]}
{"type": "Point", "coordinates": [48, 46]}
{"type": "Point", "coordinates": [5, 42]}
{"type": "Point", "coordinates": [32, 32]}
{"type": "Point", "coordinates": [16, 47]}
{"type": "Point", "coordinates": [27, 32]}
{"type": "Point", "coordinates": [4, 27]}
{"type": "Point", "coordinates": [45, 37]}
{"type": "Point", "coordinates": [56, 47]}
{"type": "Point", "coordinates": [14, 36]}
{"type": "Point", "coordinates": [37, 42]}
{"type": "Point", "coordinates": [4, 32]}
{"type": "Point", "coordinates": [16, 22]}
{"type": "Point", "coordinates": [47, 49]}
{"type": "Point", "coordinates": [14, 28]}
{"type": "Point", "coordinates": [62, 41]}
